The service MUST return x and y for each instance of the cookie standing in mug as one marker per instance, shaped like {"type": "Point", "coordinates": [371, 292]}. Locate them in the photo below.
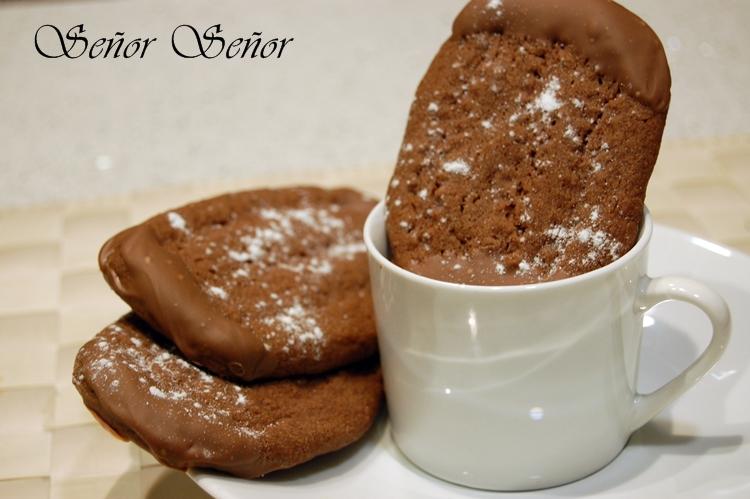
{"type": "Point", "coordinates": [530, 143]}
{"type": "Point", "coordinates": [529, 386]}
{"type": "Point", "coordinates": [510, 317]}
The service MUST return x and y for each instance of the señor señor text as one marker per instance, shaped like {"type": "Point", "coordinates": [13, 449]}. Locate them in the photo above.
{"type": "Point", "coordinates": [187, 42]}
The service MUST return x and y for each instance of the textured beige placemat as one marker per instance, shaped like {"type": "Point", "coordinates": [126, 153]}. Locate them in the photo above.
{"type": "Point", "coordinates": [52, 299]}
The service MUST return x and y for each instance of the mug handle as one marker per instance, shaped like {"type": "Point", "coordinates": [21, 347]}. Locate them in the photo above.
{"type": "Point", "coordinates": [658, 290]}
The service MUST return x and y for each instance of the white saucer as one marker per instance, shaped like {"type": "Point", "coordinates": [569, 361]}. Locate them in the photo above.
{"type": "Point", "coordinates": [699, 447]}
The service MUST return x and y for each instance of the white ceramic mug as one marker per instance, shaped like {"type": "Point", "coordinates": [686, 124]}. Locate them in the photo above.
{"type": "Point", "coordinates": [523, 387]}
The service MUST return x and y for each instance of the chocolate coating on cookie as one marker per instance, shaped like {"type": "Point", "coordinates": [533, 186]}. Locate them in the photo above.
{"type": "Point", "coordinates": [254, 284]}
{"type": "Point", "coordinates": [142, 389]}
{"type": "Point", "coordinates": [522, 161]}
{"type": "Point", "coordinates": [619, 43]}
{"type": "Point", "coordinates": [160, 286]}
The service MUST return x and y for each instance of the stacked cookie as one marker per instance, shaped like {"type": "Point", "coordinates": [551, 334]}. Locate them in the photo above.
{"type": "Point", "coordinates": [251, 346]}
{"type": "Point", "coordinates": [530, 143]}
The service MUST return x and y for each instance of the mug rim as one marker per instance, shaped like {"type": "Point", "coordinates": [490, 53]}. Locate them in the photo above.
{"type": "Point", "coordinates": [644, 237]}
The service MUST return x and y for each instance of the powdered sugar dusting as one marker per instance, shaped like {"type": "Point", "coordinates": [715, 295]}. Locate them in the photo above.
{"type": "Point", "coordinates": [347, 250]}
{"type": "Point", "coordinates": [177, 222]}
{"type": "Point", "coordinates": [459, 167]}
{"type": "Point", "coordinates": [318, 219]}
{"type": "Point", "coordinates": [594, 243]}
{"type": "Point", "coordinates": [175, 395]}
{"type": "Point", "coordinates": [524, 267]}
{"type": "Point", "coordinates": [100, 365]}
{"type": "Point", "coordinates": [301, 327]}
{"type": "Point", "coordinates": [547, 101]}
{"type": "Point", "coordinates": [218, 292]}
{"type": "Point", "coordinates": [495, 5]}
{"type": "Point", "coordinates": [594, 217]}
{"type": "Point", "coordinates": [250, 432]}
{"type": "Point", "coordinates": [306, 243]}
{"type": "Point", "coordinates": [571, 134]}
{"type": "Point", "coordinates": [133, 360]}
{"type": "Point", "coordinates": [256, 245]}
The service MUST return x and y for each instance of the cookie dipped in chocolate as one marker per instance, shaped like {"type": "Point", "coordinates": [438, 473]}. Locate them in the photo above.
{"type": "Point", "coordinates": [529, 144]}
{"type": "Point", "coordinates": [140, 387]}
{"type": "Point", "coordinates": [254, 284]}
{"type": "Point", "coordinates": [160, 288]}
{"type": "Point", "coordinates": [618, 43]}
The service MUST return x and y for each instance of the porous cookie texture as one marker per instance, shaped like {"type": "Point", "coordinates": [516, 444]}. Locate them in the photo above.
{"type": "Point", "coordinates": [529, 144]}
{"type": "Point", "coordinates": [140, 387]}
{"type": "Point", "coordinates": [265, 283]}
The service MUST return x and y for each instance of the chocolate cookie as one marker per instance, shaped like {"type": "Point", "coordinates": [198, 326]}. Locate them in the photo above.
{"type": "Point", "coordinates": [265, 283]}
{"type": "Point", "coordinates": [530, 143]}
{"type": "Point", "coordinates": [140, 387]}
